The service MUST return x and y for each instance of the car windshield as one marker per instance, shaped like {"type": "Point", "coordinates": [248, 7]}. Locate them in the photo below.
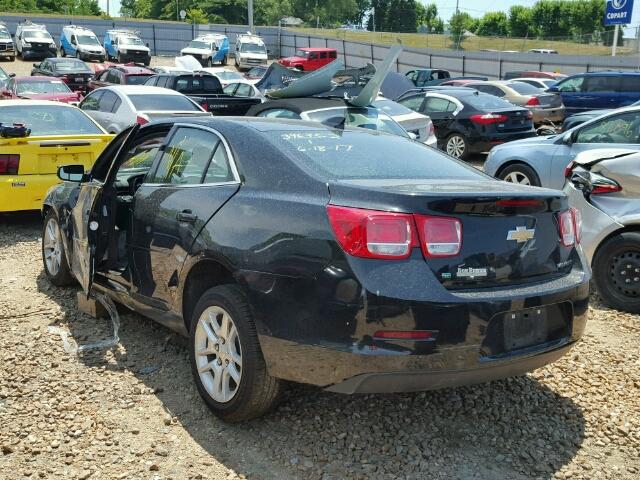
{"type": "Point", "coordinates": [392, 108]}
{"type": "Point", "coordinates": [484, 101]}
{"type": "Point", "coordinates": [31, 88]}
{"type": "Point", "coordinates": [4, 35]}
{"type": "Point", "coordinates": [131, 41]}
{"type": "Point", "coordinates": [36, 34]}
{"type": "Point", "coordinates": [70, 64]}
{"type": "Point", "coordinates": [252, 48]}
{"type": "Point", "coordinates": [199, 44]}
{"type": "Point", "coordinates": [88, 40]}
{"type": "Point", "coordinates": [163, 102]}
{"type": "Point", "coordinates": [257, 72]}
{"type": "Point", "coordinates": [370, 118]}
{"type": "Point", "coordinates": [352, 154]}
{"type": "Point", "coordinates": [302, 53]}
{"type": "Point", "coordinates": [524, 88]}
{"type": "Point", "coordinates": [50, 119]}
{"type": "Point", "coordinates": [137, 79]}
{"type": "Point", "coordinates": [228, 76]}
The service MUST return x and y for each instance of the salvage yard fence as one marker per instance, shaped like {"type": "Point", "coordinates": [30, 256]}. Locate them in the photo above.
{"type": "Point", "coordinates": [167, 38]}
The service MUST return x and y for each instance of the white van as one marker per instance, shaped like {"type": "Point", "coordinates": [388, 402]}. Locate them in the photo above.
{"type": "Point", "coordinates": [34, 41]}
{"type": "Point", "coordinates": [80, 42]}
{"type": "Point", "coordinates": [250, 52]}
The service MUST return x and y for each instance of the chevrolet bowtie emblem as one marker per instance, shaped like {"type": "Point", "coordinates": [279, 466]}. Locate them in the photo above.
{"type": "Point", "coordinates": [521, 234]}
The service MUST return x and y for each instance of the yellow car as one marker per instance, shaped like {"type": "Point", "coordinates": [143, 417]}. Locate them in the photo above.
{"type": "Point", "coordinates": [61, 134]}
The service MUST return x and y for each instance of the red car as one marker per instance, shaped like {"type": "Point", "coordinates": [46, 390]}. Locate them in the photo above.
{"type": "Point", "coordinates": [39, 88]}
{"type": "Point", "coordinates": [122, 74]}
{"type": "Point", "coordinates": [309, 59]}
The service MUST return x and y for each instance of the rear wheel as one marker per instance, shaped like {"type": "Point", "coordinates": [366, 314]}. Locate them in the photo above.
{"type": "Point", "coordinates": [616, 271]}
{"type": "Point", "coordinates": [209, 63]}
{"type": "Point", "coordinates": [226, 359]}
{"type": "Point", "coordinates": [62, 52]}
{"type": "Point", "coordinates": [521, 174]}
{"type": "Point", "coordinates": [456, 146]}
{"type": "Point", "coordinates": [53, 254]}
{"type": "Point", "coordinates": [224, 60]}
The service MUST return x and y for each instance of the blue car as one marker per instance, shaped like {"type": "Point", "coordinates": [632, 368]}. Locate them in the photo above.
{"type": "Point", "coordinates": [598, 90]}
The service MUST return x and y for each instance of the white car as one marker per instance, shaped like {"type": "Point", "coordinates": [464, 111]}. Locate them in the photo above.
{"type": "Point", "coordinates": [225, 75]}
{"type": "Point", "coordinates": [34, 41]}
{"type": "Point", "coordinates": [250, 52]}
{"type": "Point", "coordinates": [415, 123]}
{"type": "Point", "coordinates": [116, 107]}
{"type": "Point", "coordinates": [541, 83]}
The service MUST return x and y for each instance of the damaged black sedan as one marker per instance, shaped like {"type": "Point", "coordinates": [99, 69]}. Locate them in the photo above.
{"type": "Point", "coordinates": [349, 259]}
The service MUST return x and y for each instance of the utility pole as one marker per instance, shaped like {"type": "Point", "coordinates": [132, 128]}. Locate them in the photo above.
{"type": "Point", "coordinates": [614, 45]}
{"type": "Point", "coordinates": [457, 4]}
{"type": "Point", "coordinates": [177, 12]}
{"type": "Point", "coordinates": [373, 17]}
{"type": "Point", "coordinates": [250, 15]}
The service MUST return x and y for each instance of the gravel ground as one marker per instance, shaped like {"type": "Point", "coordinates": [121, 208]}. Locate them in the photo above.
{"type": "Point", "coordinates": [132, 411]}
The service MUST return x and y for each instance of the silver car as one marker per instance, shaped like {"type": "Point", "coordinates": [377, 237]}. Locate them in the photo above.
{"type": "Point", "coordinates": [604, 186]}
{"type": "Point", "coordinates": [540, 161]}
{"type": "Point", "coordinates": [119, 106]}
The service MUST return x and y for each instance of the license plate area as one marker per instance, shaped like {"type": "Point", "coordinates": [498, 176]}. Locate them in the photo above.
{"type": "Point", "coordinates": [521, 331]}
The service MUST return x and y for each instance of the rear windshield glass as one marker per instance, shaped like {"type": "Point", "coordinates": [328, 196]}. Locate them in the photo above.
{"type": "Point", "coordinates": [524, 88]}
{"type": "Point", "coordinates": [188, 84]}
{"type": "Point", "coordinates": [163, 103]}
{"type": "Point", "coordinates": [369, 118]}
{"type": "Point", "coordinates": [392, 108]}
{"type": "Point", "coordinates": [44, 86]}
{"type": "Point", "coordinates": [344, 155]}
{"type": "Point", "coordinates": [484, 101]}
{"type": "Point", "coordinates": [49, 119]}
{"type": "Point", "coordinates": [71, 65]}
{"type": "Point", "coordinates": [137, 79]}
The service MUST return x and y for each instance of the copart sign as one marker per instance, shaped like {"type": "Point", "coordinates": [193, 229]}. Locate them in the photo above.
{"type": "Point", "coordinates": [618, 12]}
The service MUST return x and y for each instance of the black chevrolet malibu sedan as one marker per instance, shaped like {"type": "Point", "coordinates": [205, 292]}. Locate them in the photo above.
{"type": "Point", "coordinates": [349, 259]}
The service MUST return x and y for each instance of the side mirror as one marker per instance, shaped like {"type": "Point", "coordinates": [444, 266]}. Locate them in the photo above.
{"type": "Point", "coordinates": [12, 75]}
{"type": "Point", "coordinates": [37, 65]}
{"type": "Point", "coordinates": [553, 89]}
{"type": "Point", "coordinates": [568, 138]}
{"type": "Point", "coordinates": [71, 173]}
{"type": "Point", "coordinates": [147, 44]}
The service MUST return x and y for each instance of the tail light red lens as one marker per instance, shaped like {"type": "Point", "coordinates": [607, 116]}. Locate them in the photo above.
{"type": "Point", "coordinates": [577, 223]}
{"type": "Point", "coordinates": [371, 233]}
{"type": "Point", "coordinates": [488, 118]}
{"type": "Point", "coordinates": [405, 335]}
{"type": "Point", "coordinates": [605, 188]}
{"type": "Point", "coordinates": [533, 102]}
{"type": "Point", "coordinates": [568, 169]}
{"type": "Point", "coordinates": [566, 226]}
{"type": "Point", "coordinates": [439, 236]}
{"type": "Point", "coordinates": [9, 164]}
{"type": "Point", "coordinates": [430, 129]}
{"type": "Point", "coordinates": [142, 119]}
{"type": "Point", "coordinates": [388, 235]}
{"type": "Point", "coordinates": [529, 115]}
{"type": "Point", "coordinates": [64, 78]}
{"type": "Point", "coordinates": [205, 106]}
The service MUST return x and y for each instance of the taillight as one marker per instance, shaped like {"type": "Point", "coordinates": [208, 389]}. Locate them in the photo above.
{"type": "Point", "coordinates": [566, 226]}
{"type": "Point", "coordinates": [529, 115]}
{"type": "Point", "coordinates": [430, 129]}
{"type": "Point", "coordinates": [416, 335]}
{"type": "Point", "coordinates": [371, 233]}
{"type": "Point", "coordinates": [9, 164]}
{"type": "Point", "coordinates": [488, 118]}
{"type": "Point", "coordinates": [64, 78]}
{"type": "Point", "coordinates": [569, 168]}
{"type": "Point", "coordinates": [533, 102]}
{"type": "Point", "coordinates": [205, 106]}
{"type": "Point", "coordinates": [605, 187]}
{"type": "Point", "coordinates": [577, 223]}
{"type": "Point", "coordinates": [141, 119]}
{"type": "Point", "coordinates": [439, 236]}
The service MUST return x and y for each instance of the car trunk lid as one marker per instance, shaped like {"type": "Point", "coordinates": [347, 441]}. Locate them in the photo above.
{"type": "Point", "coordinates": [509, 233]}
{"type": "Point", "coordinates": [549, 100]}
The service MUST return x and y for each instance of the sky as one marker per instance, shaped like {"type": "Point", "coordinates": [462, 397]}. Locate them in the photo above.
{"type": "Point", "coordinates": [447, 7]}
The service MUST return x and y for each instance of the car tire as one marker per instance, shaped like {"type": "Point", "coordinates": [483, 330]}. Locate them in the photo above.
{"type": "Point", "coordinates": [208, 63]}
{"type": "Point", "coordinates": [224, 61]}
{"type": "Point", "coordinates": [254, 392]}
{"type": "Point", "coordinates": [63, 53]}
{"type": "Point", "coordinates": [54, 257]}
{"type": "Point", "coordinates": [520, 173]}
{"type": "Point", "coordinates": [457, 146]}
{"type": "Point", "coordinates": [616, 262]}
{"type": "Point", "coordinates": [119, 59]}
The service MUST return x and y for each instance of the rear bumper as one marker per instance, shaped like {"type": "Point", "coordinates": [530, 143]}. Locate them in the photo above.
{"type": "Point", "coordinates": [429, 380]}
{"type": "Point", "coordinates": [7, 53]}
{"type": "Point", "coordinates": [24, 192]}
{"type": "Point", "coordinates": [39, 54]}
{"type": "Point", "coordinates": [554, 114]}
{"type": "Point", "coordinates": [133, 57]}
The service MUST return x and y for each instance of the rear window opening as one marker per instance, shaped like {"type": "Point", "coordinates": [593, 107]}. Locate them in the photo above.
{"type": "Point", "coordinates": [163, 103]}
{"type": "Point", "coordinates": [50, 120]}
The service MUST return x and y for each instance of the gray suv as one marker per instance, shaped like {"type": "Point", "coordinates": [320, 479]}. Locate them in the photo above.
{"type": "Point", "coordinates": [541, 161]}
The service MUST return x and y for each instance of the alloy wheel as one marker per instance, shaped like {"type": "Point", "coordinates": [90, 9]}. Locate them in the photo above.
{"type": "Point", "coordinates": [52, 247]}
{"type": "Point", "coordinates": [517, 177]}
{"type": "Point", "coordinates": [218, 354]}
{"type": "Point", "coordinates": [455, 146]}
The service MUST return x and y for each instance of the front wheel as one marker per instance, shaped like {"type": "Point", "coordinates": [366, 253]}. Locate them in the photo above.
{"type": "Point", "coordinates": [226, 359]}
{"type": "Point", "coordinates": [616, 272]}
{"type": "Point", "coordinates": [456, 146]}
{"type": "Point", "coordinates": [224, 60]}
{"type": "Point", "coordinates": [209, 63]}
{"type": "Point", "coordinates": [521, 174]}
{"type": "Point", "coordinates": [63, 53]}
{"type": "Point", "coordinates": [53, 255]}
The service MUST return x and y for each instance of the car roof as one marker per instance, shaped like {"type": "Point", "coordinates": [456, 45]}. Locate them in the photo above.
{"type": "Point", "coordinates": [318, 49]}
{"type": "Point", "coordinates": [606, 73]}
{"type": "Point", "coordinates": [140, 90]}
{"type": "Point", "coordinates": [301, 104]}
{"type": "Point", "coordinates": [34, 103]}
{"type": "Point", "coordinates": [133, 69]}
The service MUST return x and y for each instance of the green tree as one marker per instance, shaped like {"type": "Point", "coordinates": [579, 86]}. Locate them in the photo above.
{"type": "Point", "coordinates": [196, 15]}
{"type": "Point", "coordinates": [428, 16]}
{"type": "Point", "coordinates": [458, 24]}
{"type": "Point", "coordinates": [493, 24]}
{"type": "Point", "coordinates": [520, 22]}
